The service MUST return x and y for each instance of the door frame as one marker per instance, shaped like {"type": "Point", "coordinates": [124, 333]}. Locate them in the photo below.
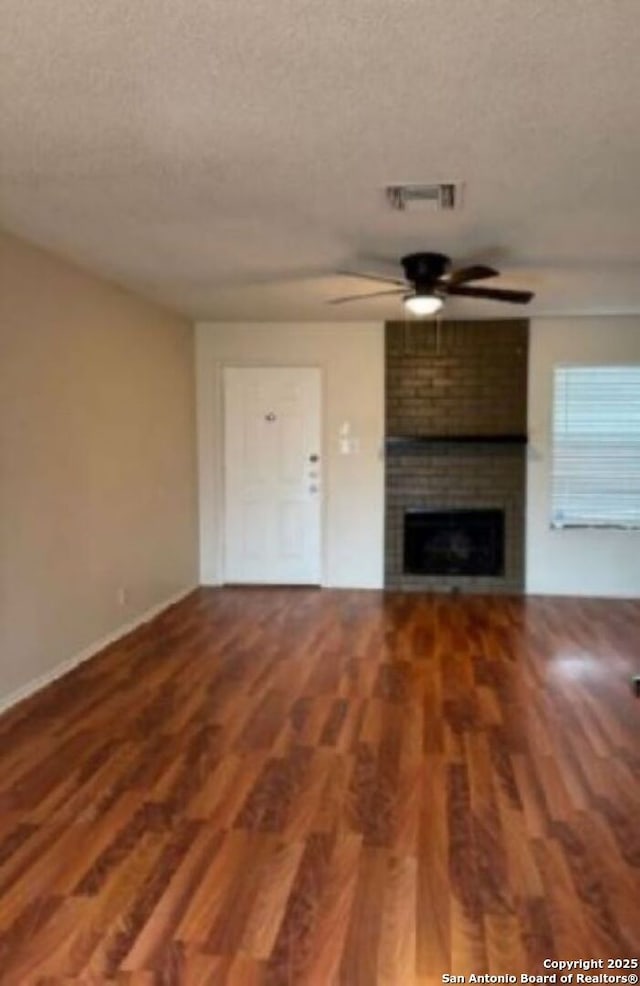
{"type": "Point", "coordinates": [222, 366]}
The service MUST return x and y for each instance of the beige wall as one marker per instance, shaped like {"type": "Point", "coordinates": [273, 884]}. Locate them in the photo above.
{"type": "Point", "coordinates": [351, 356]}
{"type": "Point", "coordinates": [574, 562]}
{"type": "Point", "coordinates": [97, 460]}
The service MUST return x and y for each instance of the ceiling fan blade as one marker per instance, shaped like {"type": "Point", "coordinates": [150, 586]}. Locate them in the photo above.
{"type": "Point", "coordinates": [477, 272]}
{"type": "Point", "coordinates": [365, 297]}
{"type": "Point", "coordinates": [372, 277]}
{"type": "Point", "coordinates": [495, 294]}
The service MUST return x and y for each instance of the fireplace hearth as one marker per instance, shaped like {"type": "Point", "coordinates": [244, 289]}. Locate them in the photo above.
{"type": "Point", "coordinates": [454, 542]}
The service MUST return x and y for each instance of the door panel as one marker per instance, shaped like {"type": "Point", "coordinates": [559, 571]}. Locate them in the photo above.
{"type": "Point", "coordinates": [272, 484]}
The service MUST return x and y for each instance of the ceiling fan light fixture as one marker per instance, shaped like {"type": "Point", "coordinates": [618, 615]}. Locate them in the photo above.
{"type": "Point", "coordinates": [423, 304]}
{"type": "Point", "coordinates": [429, 279]}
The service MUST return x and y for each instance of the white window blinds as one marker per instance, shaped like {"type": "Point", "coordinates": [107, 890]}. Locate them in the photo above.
{"type": "Point", "coordinates": [596, 447]}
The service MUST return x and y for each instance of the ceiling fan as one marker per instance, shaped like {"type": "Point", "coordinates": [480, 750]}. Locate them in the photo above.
{"type": "Point", "coordinates": [428, 279]}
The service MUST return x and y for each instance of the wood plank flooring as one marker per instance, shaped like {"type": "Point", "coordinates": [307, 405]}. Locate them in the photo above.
{"type": "Point", "coordinates": [267, 787]}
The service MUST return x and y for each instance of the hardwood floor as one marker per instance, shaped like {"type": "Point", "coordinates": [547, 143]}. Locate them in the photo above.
{"type": "Point", "coordinates": [303, 787]}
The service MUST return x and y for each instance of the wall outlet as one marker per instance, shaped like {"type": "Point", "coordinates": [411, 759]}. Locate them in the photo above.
{"type": "Point", "coordinates": [122, 595]}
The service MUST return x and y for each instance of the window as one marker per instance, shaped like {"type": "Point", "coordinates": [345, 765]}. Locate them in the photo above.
{"type": "Point", "coordinates": [596, 447]}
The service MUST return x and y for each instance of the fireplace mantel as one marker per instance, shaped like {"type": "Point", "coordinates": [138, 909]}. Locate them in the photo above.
{"type": "Point", "coordinates": [403, 442]}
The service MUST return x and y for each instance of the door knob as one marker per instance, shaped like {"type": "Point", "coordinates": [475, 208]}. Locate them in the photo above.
{"type": "Point", "coordinates": [313, 457]}
{"type": "Point", "coordinates": [313, 488]}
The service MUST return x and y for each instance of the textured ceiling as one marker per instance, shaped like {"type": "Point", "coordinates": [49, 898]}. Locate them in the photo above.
{"type": "Point", "coordinates": [225, 156]}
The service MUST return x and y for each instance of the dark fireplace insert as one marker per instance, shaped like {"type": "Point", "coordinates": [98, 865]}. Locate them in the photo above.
{"type": "Point", "coordinates": [454, 542]}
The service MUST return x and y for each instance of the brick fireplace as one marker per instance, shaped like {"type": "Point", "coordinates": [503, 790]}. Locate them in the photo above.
{"type": "Point", "coordinates": [456, 412]}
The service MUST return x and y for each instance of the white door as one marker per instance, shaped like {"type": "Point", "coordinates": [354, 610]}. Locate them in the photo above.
{"type": "Point", "coordinates": [273, 474]}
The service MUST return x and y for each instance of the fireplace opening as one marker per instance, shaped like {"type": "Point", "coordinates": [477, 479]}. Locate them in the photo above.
{"type": "Point", "coordinates": [454, 542]}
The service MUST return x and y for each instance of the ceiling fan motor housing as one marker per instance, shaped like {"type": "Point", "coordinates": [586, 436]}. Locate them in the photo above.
{"type": "Point", "coordinates": [424, 269]}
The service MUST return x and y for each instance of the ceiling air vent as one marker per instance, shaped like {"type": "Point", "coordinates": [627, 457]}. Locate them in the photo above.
{"type": "Point", "coordinates": [438, 198]}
